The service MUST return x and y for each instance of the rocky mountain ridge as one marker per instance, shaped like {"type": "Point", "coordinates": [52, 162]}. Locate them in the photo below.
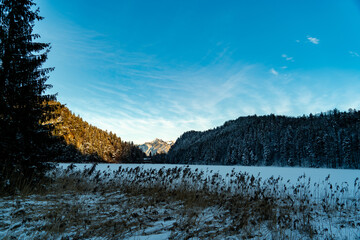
{"type": "Point", "coordinates": [157, 146]}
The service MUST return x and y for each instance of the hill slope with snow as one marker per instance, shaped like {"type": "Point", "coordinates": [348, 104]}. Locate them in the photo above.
{"type": "Point", "coordinates": [156, 146]}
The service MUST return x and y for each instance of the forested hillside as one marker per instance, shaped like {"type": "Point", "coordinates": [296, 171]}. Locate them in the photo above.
{"type": "Point", "coordinates": [93, 143]}
{"type": "Point", "coordinates": [329, 139]}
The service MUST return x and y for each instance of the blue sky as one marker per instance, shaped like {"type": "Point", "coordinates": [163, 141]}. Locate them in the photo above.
{"type": "Point", "coordinates": [155, 69]}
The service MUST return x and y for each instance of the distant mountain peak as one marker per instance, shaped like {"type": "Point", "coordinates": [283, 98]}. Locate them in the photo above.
{"type": "Point", "coordinates": [156, 146]}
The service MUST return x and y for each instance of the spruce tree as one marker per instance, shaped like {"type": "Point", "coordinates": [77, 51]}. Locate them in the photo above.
{"type": "Point", "coordinates": [23, 103]}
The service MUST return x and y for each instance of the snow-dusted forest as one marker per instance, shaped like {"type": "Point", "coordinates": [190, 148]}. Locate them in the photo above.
{"type": "Point", "coordinates": [149, 69]}
{"type": "Point", "coordinates": [330, 139]}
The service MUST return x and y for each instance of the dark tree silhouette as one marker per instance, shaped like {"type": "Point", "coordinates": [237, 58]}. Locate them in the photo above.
{"type": "Point", "coordinates": [329, 139]}
{"type": "Point", "coordinates": [22, 86]}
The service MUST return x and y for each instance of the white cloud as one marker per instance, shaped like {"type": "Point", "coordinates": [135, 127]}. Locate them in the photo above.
{"type": "Point", "coordinates": [354, 54]}
{"type": "Point", "coordinates": [144, 99]}
{"type": "Point", "coordinates": [273, 71]}
{"type": "Point", "coordinates": [287, 58]}
{"type": "Point", "coordinates": [313, 40]}
{"type": "Point", "coordinates": [208, 98]}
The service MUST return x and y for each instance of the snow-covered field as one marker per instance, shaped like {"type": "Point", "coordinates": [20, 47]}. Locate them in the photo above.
{"type": "Point", "coordinates": [156, 201]}
{"type": "Point", "coordinates": [316, 175]}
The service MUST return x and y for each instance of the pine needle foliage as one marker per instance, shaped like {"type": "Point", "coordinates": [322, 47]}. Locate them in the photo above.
{"type": "Point", "coordinates": [22, 93]}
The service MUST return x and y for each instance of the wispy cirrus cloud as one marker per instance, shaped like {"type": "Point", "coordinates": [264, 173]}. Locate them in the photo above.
{"type": "Point", "coordinates": [140, 98]}
{"type": "Point", "coordinates": [287, 58]}
{"type": "Point", "coordinates": [274, 72]}
{"type": "Point", "coordinates": [189, 99]}
{"type": "Point", "coordinates": [313, 40]}
{"type": "Point", "coordinates": [354, 54]}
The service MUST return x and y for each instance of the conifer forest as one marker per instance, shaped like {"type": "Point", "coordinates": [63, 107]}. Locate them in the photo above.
{"type": "Point", "coordinates": [178, 68]}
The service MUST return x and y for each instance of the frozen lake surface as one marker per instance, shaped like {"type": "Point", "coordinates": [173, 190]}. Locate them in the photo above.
{"type": "Point", "coordinates": [316, 175]}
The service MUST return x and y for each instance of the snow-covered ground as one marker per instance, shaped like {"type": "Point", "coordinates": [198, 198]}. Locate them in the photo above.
{"type": "Point", "coordinates": [105, 203]}
{"type": "Point", "coordinates": [316, 175]}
